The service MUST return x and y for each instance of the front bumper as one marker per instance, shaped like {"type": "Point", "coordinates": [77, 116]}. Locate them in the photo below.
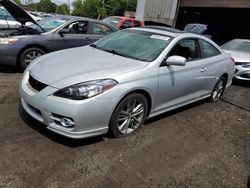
{"type": "Point", "coordinates": [242, 73]}
{"type": "Point", "coordinates": [91, 117]}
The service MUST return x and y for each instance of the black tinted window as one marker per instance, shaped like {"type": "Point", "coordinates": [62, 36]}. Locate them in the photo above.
{"type": "Point", "coordinates": [187, 48]}
{"type": "Point", "coordinates": [208, 50]}
{"type": "Point", "coordinates": [137, 23]}
{"type": "Point", "coordinates": [126, 24]}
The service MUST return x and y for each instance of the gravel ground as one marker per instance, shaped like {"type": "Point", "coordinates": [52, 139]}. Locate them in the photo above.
{"type": "Point", "coordinates": [201, 145]}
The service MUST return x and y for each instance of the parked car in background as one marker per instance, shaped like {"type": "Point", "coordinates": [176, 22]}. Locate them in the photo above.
{"type": "Point", "coordinates": [197, 29]}
{"type": "Point", "coordinates": [240, 51]}
{"type": "Point", "coordinates": [56, 33]}
{"type": "Point", "coordinates": [117, 82]}
{"type": "Point", "coordinates": [7, 21]}
{"type": "Point", "coordinates": [123, 22]}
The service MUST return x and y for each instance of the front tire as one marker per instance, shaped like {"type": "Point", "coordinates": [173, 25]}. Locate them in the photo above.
{"type": "Point", "coordinates": [28, 56]}
{"type": "Point", "coordinates": [218, 90]}
{"type": "Point", "coordinates": [129, 115]}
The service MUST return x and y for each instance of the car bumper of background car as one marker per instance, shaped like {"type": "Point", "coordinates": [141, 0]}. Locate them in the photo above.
{"type": "Point", "coordinates": [8, 55]}
{"type": "Point", "coordinates": [242, 72]}
{"type": "Point", "coordinates": [89, 117]}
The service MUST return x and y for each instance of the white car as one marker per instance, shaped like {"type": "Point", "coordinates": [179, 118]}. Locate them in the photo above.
{"type": "Point", "coordinates": [240, 51]}
{"type": "Point", "coordinates": [114, 84]}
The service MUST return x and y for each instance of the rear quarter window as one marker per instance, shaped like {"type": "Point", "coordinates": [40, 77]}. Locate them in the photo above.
{"type": "Point", "coordinates": [208, 50]}
{"type": "Point", "coordinates": [137, 23]}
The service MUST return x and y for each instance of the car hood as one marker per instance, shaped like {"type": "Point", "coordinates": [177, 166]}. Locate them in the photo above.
{"type": "Point", "coordinates": [240, 57]}
{"type": "Point", "coordinates": [195, 28]}
{"type": "Point", "coordinates": [17, 12]}
{"type": "Point", "coordinates": [67, 67]}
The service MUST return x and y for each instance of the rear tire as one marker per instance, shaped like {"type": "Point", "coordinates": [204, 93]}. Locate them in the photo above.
{"type": "Point", "coordinates": [218, 90]}
{"type": "Point", "coordinates": [128, 115]}
{"type": "Point", "coordinates": [28, 55]}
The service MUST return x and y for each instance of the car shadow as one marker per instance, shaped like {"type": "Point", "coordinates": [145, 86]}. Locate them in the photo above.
{"type": "Point", "coordinates": [41, 128]}
{"type": "Point", "coordinates": [241, 83]}
{"type": "Point", "coordinates": [248, 182]}
{"type": "Point", "coordinates": [8, 69]}
{"type": "Point", "coordinates": [175, 111]}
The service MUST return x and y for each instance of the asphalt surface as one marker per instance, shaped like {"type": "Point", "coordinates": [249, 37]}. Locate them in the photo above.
{"type": "Point", "coordinates": [201, 145]}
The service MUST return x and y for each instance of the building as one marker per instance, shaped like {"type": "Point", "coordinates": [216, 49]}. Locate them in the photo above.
{"type": "Point", "coordinates": [226, 19]}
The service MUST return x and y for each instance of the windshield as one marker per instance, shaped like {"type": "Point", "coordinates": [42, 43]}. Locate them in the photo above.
{"type": "Point", "coordinates": [237, 45]}
{"type": "Point", "coordinates": [139, 45]}
{"type": "Point", "coordinates": [49, 24]}
{"type": "Point", "coordinates": [112, 21]}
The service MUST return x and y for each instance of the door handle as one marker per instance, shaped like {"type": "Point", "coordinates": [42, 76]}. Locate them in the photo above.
{"type": "Point", "coordinates": [87, 39]}
{"type": "Point", "coordinates": [203, 69]}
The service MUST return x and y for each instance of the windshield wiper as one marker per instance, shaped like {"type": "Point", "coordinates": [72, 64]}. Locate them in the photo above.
{"type": "Point", "coordinates": [93, 45]}
{"type": "Point", "coordinates": [117, 53]}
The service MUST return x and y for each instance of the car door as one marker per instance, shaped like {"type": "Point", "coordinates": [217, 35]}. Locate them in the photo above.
{"type": "Point", "coordinates": [180, 84]}
{"type": "Point", "coordinates": [212, 62]}
{"type": "Point", "coordinates": [77, 34]}
{"type": "Point", "coordinates": [97, 31]}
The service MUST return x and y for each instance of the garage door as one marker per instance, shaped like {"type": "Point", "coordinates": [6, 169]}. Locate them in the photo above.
{"type": "Point", "coordinates": [216, 3]}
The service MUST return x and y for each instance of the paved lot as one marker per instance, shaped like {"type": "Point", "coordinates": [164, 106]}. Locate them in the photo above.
{"type": "Point", "coordinates": [202, 145]}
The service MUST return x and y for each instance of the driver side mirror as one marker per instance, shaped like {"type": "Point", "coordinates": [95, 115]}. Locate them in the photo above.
{"type": "Point", "coordinates": [176, 60]}
{"type": "Point", "coordinates": [63, 31]}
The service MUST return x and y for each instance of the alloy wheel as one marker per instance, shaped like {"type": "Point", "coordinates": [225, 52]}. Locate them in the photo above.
{"type": "Point", "coordinates": [218, 90]}
{"type": "Point", "coordinates": [30, 56]}
{"type": "Point", "coordinates": [130, 116]}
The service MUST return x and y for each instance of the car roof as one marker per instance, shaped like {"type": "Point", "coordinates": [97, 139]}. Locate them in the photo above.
{"type": "Point", "coordinates": [241, 40]}
{"type": "Point", "coordinates": [168, 32]}
{"type": "Point", "coordinates": [123, 17]}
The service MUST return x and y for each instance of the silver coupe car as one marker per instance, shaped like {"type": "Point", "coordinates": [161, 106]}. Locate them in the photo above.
{"type": "Point", "coordinates": [240, 51]}
{"type": "Point", "coordinates": [114, 84]}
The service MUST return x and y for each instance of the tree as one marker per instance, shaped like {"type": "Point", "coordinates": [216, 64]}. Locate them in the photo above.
{"type": "Point", "coordinates": [78, 8]}
{"type": "Point", "coordinates": [62, 9]}
{"type": "Point", "coordinates": [45, 6]}
{"type": "Point", "coordinates": [92, 8]}
{"type": "Point", "coordinates": [17, 2]}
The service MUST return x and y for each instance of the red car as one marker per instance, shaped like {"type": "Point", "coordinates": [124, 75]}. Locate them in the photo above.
{"type": "Point", "coordinates": [123, 22]}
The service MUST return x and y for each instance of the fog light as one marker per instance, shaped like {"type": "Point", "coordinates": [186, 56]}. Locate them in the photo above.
{"type": "Point", "coordinates": [66, 122]}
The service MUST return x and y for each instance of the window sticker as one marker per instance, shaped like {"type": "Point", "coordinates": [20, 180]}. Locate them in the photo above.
{"type": "Point", "coordinates": [160, 37]}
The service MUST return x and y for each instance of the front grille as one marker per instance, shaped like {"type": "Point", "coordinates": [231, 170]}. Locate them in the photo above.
{"type": "Point", "coordinates": [245, 76]}
{"type": "Point", "coordinates": [35, 84]}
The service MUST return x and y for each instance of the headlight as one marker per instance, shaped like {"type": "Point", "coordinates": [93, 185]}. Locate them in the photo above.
{"type": "Point", "coordinates": [86, 90]}
{"type": "Point", "coordinates": [8, 40]}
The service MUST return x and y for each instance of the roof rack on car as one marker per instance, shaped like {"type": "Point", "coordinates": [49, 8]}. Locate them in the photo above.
{"type": "Point", "coordinates": [162, 28]}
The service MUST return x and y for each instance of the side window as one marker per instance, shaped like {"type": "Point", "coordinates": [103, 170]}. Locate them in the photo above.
{"type": "Point", "coordinates": [100, 29]}
{"type": "Point", "coordinates": [187, 48]}
{"type": "Point", "coordinates": [208, 50]}
{"type": "Point", "coordinates": [126, 24]}
{"type": "Point", "coordinates": [137, 23]}
{"type": "Point", "coordinates": [80, 27]}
